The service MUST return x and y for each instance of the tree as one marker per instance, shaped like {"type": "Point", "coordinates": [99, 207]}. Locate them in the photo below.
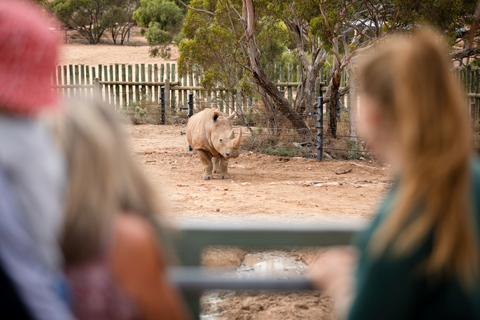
{"type": "Point", "coordinates": [92, 18]}
{"type": "Point", "coordinates": [85, 16]}
{"type": "Point", "coordinates": [163, 19]}
{"type": "Point", "coordinates": [232, 30]}
{"type": "Point", "coordinates": [119, 19]}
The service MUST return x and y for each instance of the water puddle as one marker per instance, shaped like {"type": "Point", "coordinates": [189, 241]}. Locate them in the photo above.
{"type": "Point", "coordinates": [276, 264]}
{"type": "Point", "coordinates": [268, 264]}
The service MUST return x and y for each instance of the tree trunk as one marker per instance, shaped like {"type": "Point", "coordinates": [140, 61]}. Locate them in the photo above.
{"type": "Point", "coordinates": [306, 102]}
{"type": "Point", "coordinates": [332, 92]}
{"type": "Point", "coordinates": [261, 79]}
{"type": "Point", "coordinates": [352, 108]}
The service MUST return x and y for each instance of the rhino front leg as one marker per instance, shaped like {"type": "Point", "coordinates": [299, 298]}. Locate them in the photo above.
{"type": "Point", "coordinates": [224, 168]}
{"type": "Point", "coordinates": [216, 164]}
{"type": "Point", "coordinates": [207, 164]}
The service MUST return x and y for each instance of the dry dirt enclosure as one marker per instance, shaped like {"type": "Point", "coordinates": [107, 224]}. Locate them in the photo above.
{"type": "Point", "coordinates": [261, 185]}
{"type": "Point", "coordinates": [263, 189]}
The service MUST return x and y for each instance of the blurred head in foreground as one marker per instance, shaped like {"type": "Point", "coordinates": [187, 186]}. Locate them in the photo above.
{"type": "Point", "coordinates": [104, 179]}
{"type": "Point", "coordinates": [414, 116]}
{"type": "Point", "coordinates": [28, 55]}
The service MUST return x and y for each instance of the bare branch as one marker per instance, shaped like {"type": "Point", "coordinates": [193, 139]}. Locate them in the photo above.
{"type": "Point", "coordinates": [195, 9]}
{"type": "Point", "coordinates": [341, 92]}
{"type": "Point", "coordinates": [326, 20]}
{"type": "Point", "coordinates": [464, 53]}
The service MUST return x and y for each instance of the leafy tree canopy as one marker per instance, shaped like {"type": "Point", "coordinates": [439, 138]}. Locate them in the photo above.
{"type": "Point", "coordinates": [162, 19]}
{"type": "Point", "coordinates": [91, 18]}
{"type": "Point", "coordinates": [236, 42]}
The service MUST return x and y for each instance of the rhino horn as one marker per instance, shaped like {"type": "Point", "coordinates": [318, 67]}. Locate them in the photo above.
{"type": "Point", "coordinates": [237, 141]}
{"type": "Point", "coordinates": [232, 134]}
{"type": "Point", "coordinates": [230, 117]}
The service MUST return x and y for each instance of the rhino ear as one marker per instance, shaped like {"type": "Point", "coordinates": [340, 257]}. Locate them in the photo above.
{"type": "Point", "coordinates": [216, 114]}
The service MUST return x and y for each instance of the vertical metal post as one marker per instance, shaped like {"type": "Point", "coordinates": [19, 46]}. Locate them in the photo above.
{"type": "Point", "coordinates": [190, 112]}
{"type": "Point", "coordinates": [162, 103]}
{"type": "Point", "coordinates": [320, 129]}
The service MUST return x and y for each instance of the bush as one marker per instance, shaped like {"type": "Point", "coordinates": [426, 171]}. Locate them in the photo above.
{"type": "Point", "coordinates": [162, 19]}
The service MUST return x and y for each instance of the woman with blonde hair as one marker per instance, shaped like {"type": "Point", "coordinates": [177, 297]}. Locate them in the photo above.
{"type": "Point", "coordinates": [114, 259]}
{"type": "Point", "coordinates": [419, 258]}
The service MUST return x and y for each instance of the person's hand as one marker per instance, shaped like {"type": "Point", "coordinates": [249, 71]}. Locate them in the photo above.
{"type": "Point", "coordinates": [333, 273]}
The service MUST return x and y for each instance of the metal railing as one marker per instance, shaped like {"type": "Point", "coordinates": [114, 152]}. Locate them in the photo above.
{"type": "Point", "coordinates": [192, 279]}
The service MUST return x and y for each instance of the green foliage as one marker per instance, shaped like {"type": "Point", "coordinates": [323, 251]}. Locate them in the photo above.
{"type": "Point", "coordinates": [179, 37]}
{"type": "Point", "coordinates": [163, 12]}
{"type": "Point", "coordinates": [475, 63]}
{"type": "Point", "coordinates": [212, 44]}
{"type": "Point", "coordinates": [162, 19]}
{"type": "Point", "coordinates": [447, 15]}
{"type": "Point", "coordinates": [353, 151]}
{"type": "Point", "coordinates": [283, 152]}
{"type": "Point", "coordinates": [92, 18]}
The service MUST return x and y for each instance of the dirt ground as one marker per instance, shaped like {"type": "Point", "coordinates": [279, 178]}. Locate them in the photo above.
{"type": "Point", "coordinates": [263, 189]}
{"type": "Point", "coordinates": [78, 51]}
{"type": "Point", "coordinates": [290, 188]}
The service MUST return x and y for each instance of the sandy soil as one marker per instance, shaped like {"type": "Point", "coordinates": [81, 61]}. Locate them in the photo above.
{"type": "Point", "coordinates": [294, 189]}
{"type": "Point", "coordinates": [263, 189]}
{"type": "Point", "coordinates": [78, 51]}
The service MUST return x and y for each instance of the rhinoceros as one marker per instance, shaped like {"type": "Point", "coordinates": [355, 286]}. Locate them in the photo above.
{"type": "Point", "coordinates": [211, 135]}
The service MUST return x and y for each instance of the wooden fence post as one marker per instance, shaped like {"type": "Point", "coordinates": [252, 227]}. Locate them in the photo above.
{"type": "Point", "coordinates": [149, 79]}
{"type": "Point", "coordinates": [167, 92]}
{"type": "Point", "coordinates": [137, 87]}
{"type": "Point", "coordinates": [107, 87]}
{"type": "Point", "coordinates": [130, 87]}
{"type": "Point", "coordinates": [172, 97]}
{"type": "Point", "coordinates": [155, 79]}
{"type": "Point", "coordinates": [97, 91]}
{"type": "Point", "coordinates": [124, 87]}
{"type": "Point", "coordinates": [144, 91]}
{"type": "Point", "coordinates": [290, 79]}
{"type": "Point", "coordinates": [117, 87]}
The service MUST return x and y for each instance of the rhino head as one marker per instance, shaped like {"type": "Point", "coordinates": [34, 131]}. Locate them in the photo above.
{"type": "Point", "coordinates": [223, 136]}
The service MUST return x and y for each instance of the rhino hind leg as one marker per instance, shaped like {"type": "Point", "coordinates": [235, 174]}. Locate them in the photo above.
{"type": "Point", "coordinates": [224, 168]}
{"type": "Point", "coordinates": [207, 164]}
{"type": "Point", "coordinates": [216, 164]}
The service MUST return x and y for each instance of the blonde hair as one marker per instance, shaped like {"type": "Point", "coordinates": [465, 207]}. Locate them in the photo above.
{"type": "Point", "coordinates": [104, 179]}
{"type": "Point", "coordinates": [411, 78]}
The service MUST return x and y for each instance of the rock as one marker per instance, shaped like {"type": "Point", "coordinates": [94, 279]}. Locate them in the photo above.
{"type": "Point", "coordinates": [245, 183]}
{"type": "Point", "coordinates": [218, 209]}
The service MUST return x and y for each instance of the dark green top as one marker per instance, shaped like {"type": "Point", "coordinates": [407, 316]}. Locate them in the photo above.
{"type": "Point", "coordinates": [390, 288]}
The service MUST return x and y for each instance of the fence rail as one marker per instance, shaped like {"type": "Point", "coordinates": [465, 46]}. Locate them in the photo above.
{"type": "Point", "coordinates": [194, 238]}
{"type": "Point", "coordinates": [131, 86]}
